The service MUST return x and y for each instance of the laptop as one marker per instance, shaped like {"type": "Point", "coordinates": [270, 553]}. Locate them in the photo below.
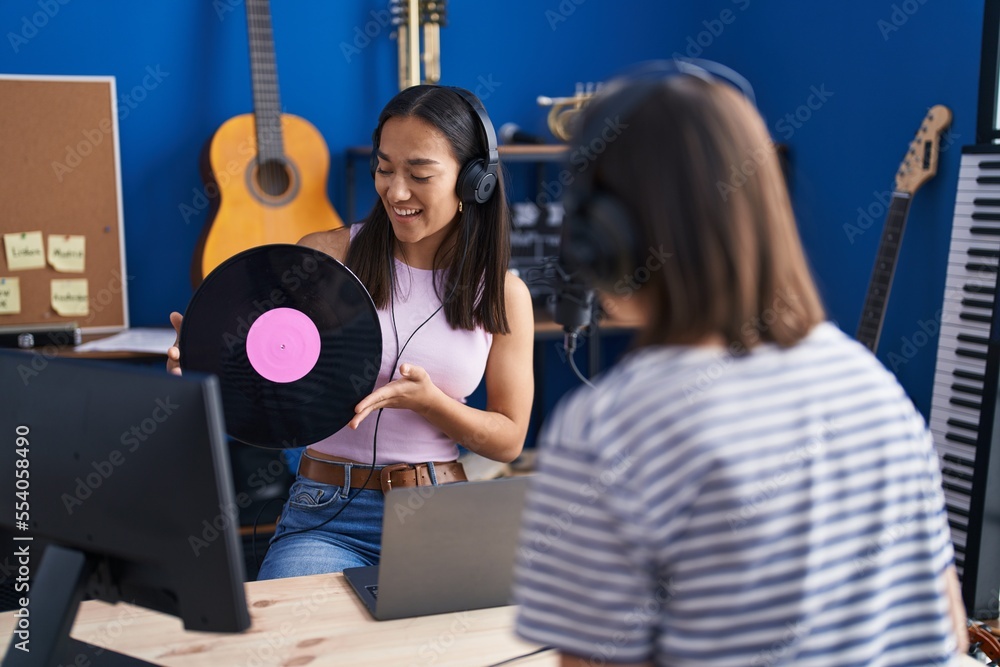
{"type": "Point", "coordinates": [445, 548]}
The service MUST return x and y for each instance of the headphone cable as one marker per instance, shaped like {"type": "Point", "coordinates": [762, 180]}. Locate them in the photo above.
{"type": "Point", "coordinates": [378, 417]}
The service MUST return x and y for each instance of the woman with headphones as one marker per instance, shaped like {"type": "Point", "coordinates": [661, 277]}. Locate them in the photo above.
{"type": "Point", "coordinates": [433, 253]}
{"type": "Point", "coordinates": [748, 486]}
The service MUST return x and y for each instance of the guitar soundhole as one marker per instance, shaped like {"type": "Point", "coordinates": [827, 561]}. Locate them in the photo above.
{"type": "Point", "coordinates": [273, 178]}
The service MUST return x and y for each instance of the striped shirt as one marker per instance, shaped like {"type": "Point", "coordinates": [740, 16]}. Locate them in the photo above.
{"type": "Point", "coordinates": [782, 507]}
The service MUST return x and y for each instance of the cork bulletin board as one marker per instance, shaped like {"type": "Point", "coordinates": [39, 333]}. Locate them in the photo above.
{"type": "Point", "coordinates": [60, 175]}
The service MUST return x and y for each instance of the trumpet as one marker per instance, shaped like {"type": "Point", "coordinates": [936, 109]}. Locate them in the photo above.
{"type": "Point", "coordinates": [565, 111]}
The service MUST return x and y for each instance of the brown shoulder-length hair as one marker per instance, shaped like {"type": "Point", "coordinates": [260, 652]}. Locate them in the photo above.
{"type": "Point", "coordinates": [475, 255]}
{"type": "Point", "coordinates": [717, 251]}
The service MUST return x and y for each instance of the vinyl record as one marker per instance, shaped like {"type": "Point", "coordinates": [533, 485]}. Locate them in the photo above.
{"type": "Point", "coordinates": [294, 338]}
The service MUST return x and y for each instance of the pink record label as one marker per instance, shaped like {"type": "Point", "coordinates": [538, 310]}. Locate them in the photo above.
{"type": "Point", "coordinates": [283, 345]}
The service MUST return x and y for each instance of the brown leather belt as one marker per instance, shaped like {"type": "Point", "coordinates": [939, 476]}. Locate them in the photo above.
{"type": "Point", "coordinates": [383, 478]}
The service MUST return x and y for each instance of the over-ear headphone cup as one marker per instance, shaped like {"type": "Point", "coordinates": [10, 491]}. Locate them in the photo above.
{"type": "Point", "coordinates": [485, 187]}
{"type": "Point", "coordinates": [600, 241]}
{"type": "Point", "coordinates": [475, 183]}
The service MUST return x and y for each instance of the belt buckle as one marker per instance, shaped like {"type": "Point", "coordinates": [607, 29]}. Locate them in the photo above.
{"type": "Point", "coordinates": [385, 475]}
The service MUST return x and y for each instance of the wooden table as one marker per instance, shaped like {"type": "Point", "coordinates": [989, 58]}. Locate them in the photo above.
{"type": "Point", "coordinates": [313, 621]}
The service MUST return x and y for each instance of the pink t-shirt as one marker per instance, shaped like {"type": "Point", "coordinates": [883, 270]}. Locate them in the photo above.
{"type": "Point", "coordinates": [455, 359]}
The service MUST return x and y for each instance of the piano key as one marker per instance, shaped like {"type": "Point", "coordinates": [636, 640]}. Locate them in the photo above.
{"type": "Point", "coordinates": [960, 375]}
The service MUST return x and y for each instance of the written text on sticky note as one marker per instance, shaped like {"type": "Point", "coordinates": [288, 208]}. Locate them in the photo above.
{"type": "Point", "coordinates": [25, 250]}
{"type": "Point", "coordinates": [67, 253]}
{"type": "Point", "coordinates": [10, 296]}
{"type": "Point", "coordinates": [69, 297]}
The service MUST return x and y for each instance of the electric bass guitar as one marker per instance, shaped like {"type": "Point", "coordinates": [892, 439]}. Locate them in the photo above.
{"type": "Point", "coordinates": [269, 169]}
{"type": "Point", "coordinates": [918, 167]}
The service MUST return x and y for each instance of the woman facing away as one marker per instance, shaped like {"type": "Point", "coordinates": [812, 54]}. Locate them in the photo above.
{"type": "Point", "coordinates": [433, 253]}
{"type": "Point", "coordinates": [748, 486]}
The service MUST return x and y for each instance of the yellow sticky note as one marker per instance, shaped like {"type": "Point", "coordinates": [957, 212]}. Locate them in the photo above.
{"type": "Point", "coordinates": [67, 253]}
{"type": "Point", "coordinates": [25, 250]}
{"type": "Point", "coordinates": [10, 296]}
{"type": "Point", "coordinates": [69, 297]}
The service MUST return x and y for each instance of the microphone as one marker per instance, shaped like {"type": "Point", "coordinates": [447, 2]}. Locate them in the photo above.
{"type": "Point", "coordinates": [511, 133]}
{"type": "Point", "coordinates": [572, 307]}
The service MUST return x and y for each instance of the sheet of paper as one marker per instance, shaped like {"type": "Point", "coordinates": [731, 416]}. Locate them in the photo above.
{"type": "Point", "coordinates": [67, 253]}
{"type": "Point", "coordinates": [25, 250]}
{"type": "Point", "coordinates": [151, 340]}
{"type": "Point", "coordinates": [10, 296]}
{"type": "Point", "coordinates": [69, 296]}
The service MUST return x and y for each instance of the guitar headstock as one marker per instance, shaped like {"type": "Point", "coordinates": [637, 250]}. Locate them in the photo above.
{"type": "Point", "coordinates": [920, 163]}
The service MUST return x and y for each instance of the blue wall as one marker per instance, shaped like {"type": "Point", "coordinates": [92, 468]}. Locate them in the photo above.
{"type": "Point", "coordinates": [885, 64]}
{"type": "Point", "coordinates": [881, 80]}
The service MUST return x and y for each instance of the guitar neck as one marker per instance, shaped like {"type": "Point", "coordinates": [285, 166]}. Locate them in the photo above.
{"type": "Point", "coordinates": [264, 80]}
{"type": "Point", "coordinates": [873, 314]}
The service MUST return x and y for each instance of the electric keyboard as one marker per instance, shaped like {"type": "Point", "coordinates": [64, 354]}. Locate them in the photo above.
{"type": "Point", "coordinates": [964, 401]}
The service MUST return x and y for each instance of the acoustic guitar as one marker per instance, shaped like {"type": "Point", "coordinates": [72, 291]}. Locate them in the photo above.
{"type": "Point", "coordinates": [918, 167]}
{"type": "Point", "coordinates": [270, 168]}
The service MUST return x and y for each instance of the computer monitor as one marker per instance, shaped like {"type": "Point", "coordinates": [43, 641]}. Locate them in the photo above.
{"type": "Point", "coordinates": [122, 473]}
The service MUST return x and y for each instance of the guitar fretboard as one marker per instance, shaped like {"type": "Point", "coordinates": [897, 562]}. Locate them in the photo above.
{"type": "Point", "coordinates": [873, 313]}
{"type": "Point", "coordinates": [264, 79]}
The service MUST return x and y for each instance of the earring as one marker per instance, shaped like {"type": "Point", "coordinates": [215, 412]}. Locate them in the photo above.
{"type": "Point", "coordinates": [459, 205]}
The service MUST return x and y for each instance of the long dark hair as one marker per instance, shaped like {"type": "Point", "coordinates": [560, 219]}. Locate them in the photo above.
{"type": "Point", "coordinates": [476, 252]}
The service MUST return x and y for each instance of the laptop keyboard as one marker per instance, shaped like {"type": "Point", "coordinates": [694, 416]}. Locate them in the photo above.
{"type": "Point", "coordinates": [373, 589]}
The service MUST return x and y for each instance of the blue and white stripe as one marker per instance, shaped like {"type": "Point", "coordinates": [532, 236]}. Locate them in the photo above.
{"type": "Point", "coordinates": [781, 507]}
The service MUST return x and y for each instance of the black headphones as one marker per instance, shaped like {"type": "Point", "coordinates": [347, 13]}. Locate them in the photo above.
{"type": "Point", "coordinates": [478, 178]}
{"type": "Point", "coordinates": [599, 240]}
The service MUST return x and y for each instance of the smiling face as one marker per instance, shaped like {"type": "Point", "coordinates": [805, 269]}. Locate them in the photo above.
{"type": "Point", "coordinates": [416, 177]}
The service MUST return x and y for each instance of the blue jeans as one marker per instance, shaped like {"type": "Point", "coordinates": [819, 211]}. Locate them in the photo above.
{"type": "Point", "coordinates": [352, 539]}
